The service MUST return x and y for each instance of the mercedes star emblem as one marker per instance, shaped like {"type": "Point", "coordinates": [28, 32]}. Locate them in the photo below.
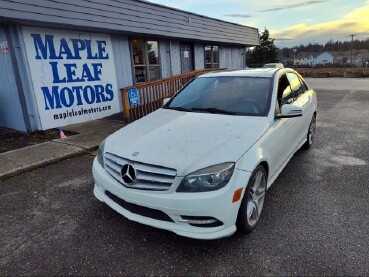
{"type": "Point", "coordinates": [128, 174]}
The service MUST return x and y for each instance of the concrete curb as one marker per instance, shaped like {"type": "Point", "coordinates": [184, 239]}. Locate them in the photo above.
{"type": "Point", "coordinates": [90, 135]}
{"type": "Point", "coordinates": [29, 158]}
{"type": "Point", "coordinates": [20, 170]}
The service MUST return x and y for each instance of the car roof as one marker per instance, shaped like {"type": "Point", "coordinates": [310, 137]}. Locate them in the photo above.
{"type": "Point", "coordinates": [249, 72]}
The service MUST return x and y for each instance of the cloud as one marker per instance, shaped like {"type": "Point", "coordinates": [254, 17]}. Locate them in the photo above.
{"type": "Point", "coordinates": [355, 22]}
{"type": "Point", "coordinates": [240, 15]}
{"type": "Point", "coordinates": [278, 8]}
{"type": "Point", "coordinates": [293, 6]}
{"type": "Point", "coordinates": [283, 39]}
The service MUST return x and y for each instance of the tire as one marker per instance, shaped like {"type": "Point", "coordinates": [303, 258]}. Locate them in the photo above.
{"type": "Point", "coordinates": [310, 134]}
{"type": "Point", "coordinates": [253, 201]}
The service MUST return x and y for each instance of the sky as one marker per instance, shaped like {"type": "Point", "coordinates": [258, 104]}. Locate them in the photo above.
{"type": "Point", "coordinates": [289, 22]}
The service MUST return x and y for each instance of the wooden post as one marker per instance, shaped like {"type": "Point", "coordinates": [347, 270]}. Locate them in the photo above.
{"type": "Point", "coordinates": [125, 101]}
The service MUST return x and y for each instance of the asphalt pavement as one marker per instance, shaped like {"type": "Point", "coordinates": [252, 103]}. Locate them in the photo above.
{"type": "Point", "coordinates": [315, 221]}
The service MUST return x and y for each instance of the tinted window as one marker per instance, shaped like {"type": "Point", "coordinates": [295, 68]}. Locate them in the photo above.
{"type": "Point", "coordinates": [238, 95]}
{"type": "Point", "coordinates": [285, 94]}
{"type": "Point", "coordinates": [295, 84]}
{"type": "Point", "coordinates": [304, 86]}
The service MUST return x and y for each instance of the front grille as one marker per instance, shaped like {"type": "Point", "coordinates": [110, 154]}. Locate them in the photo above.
{"type": "Point", "coordinates": [137, 209]}
{"type": "Point", "coordinates": [148, 177]}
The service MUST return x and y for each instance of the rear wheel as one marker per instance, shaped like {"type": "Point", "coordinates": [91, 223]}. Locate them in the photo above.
{"type": "Point", "coordinates": [253, 201]}
{"type": "Point", "coordinates": [311, 133]}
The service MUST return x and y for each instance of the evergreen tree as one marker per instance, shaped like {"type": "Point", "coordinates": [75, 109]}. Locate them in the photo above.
{"type": "Point", "coordinates": [264, 53]}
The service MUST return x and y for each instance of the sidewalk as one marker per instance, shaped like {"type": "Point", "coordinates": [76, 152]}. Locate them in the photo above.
{"type": "Point", "coordinates": [25, 159]}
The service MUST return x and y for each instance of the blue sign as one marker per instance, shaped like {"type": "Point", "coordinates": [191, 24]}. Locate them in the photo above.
{"type": "Point", "coordinates": [134, 98]}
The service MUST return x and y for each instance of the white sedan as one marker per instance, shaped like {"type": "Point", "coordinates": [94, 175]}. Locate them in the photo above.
{"type": "Point", "coordinates": [201, 165]}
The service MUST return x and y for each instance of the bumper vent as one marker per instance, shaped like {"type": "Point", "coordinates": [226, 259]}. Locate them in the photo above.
{"type": "Point", "coordinates": [148, 177]}
{"type": "Point", "coordinates": [137, 209]}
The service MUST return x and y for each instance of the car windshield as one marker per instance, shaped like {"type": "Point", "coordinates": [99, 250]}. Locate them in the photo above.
{"type": "Point", "coordinates": [225, 95]}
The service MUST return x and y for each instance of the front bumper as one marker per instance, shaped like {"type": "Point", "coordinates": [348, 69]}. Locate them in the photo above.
{"type": "Point", "coordinates": [216, 204]}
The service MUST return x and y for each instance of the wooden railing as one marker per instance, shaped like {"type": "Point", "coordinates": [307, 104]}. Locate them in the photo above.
{"type": "Point", "coordinates": [150, 95]}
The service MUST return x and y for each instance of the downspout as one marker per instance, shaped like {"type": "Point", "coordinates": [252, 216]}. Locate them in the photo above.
{"type": "Point", "coordinates": [170, 58]}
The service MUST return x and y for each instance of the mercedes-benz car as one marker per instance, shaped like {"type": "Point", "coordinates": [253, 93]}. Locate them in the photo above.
{"type": "Point", "coordinates": [201, 165]}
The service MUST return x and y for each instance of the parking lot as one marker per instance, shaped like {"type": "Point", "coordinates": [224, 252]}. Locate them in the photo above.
{"type": "Point", "coordinates": [315, 221]}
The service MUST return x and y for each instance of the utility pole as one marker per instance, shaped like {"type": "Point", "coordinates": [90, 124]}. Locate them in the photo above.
{"type": "Point", "coordinates": [352, 43]}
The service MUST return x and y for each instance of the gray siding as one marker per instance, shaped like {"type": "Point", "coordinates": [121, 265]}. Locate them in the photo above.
{"type": "Point", "coordinates": [231, 57]}
{"type": "Point", "coordinates": [11, 115]}
{"type": "Point", "coordinates": [238, 57]}
{"type": "Point", "coordinates": [123, 60]}
{"type": "Point", "coordinates": [164, 56]}
{"type": "Point", "coordinates": [175, 53]}
{"type": "Point", "coordinates": [225, 57]}
{"type": "Point", "coordinates": [199, 55]}
{"type": "Point", "coordinates": [131, 16]}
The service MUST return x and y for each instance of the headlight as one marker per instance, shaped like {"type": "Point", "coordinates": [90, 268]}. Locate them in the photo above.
{"type": "Point", "coordinates": [207, 179]}
{"type": "Point", "coordinates": [100, 153]}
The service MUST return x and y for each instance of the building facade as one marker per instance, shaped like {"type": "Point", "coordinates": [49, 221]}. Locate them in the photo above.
{"type": "Point", "coordinates": [63, 62]}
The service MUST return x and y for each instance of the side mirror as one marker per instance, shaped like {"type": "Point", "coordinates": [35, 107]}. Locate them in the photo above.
{"type": "Point", "coordinates": [290, 110]}
{"type": "Point", "coordinates": [165, 100]}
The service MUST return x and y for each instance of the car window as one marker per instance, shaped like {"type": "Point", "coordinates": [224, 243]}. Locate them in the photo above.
{"type": "Point", "coordinates": [285, 93]}
{"type": "Point", "coordinates": [304, 86]}
{"type": "Point", "coordinates": [232, 94]}
{"type": "Point", "coordinates": [296, 85]}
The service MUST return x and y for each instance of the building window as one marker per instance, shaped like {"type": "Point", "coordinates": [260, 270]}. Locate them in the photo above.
{"type": "Point", "coordinates": [145, 56]}
{"type": "Point", "coordinates": [211, 56]}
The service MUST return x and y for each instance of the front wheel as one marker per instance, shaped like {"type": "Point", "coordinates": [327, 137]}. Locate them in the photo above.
{"type": "Point", "coordinates": [253, 201]}
{"type": "Point", "coordinates": [311, 133]}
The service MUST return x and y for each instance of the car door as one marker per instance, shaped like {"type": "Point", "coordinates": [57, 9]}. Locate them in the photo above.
{"type": "Point", "coordinates": [302, 100]}
{"type": "Point", "coordinates": [311, 106]}
{"type": "Point", "coordinates": [285, 127]}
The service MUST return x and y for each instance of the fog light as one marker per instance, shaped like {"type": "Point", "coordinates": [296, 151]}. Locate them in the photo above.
{"type": "Point", "coordinates": [201, 221]}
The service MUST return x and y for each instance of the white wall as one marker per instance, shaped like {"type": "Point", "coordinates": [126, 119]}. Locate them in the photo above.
{"type": "Point", "coordinates": [324, 58]}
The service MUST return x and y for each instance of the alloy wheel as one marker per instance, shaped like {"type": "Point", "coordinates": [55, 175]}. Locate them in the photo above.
{"type": "Point", "coordinates": [312, 130]}
{"type": "Point", "coordinates": [256, 197]}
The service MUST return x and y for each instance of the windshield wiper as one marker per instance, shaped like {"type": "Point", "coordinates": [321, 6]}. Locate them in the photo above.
{"type": "Point", "coordinates": [213, 110]}
{"type": "Point", "coordinates": [179, 109]}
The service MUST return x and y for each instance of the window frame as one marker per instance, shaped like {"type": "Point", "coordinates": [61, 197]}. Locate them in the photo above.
{"type": "Point", "coordinates": [211, 56]}
{"type": "Point", "coordinates": [146, 65]}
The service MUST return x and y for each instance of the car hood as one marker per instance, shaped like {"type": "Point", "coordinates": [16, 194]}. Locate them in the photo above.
{"type": "Point", "coordinates": [186, 141]}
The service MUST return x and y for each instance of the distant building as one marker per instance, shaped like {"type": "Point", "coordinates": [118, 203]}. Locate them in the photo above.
{"type": "Point", "coordinates": [313, 58]}
{"type": "Point", "coordinates": [324, 58]}
{"type": "Point", "coordinates": [340, 59]}
{"type": "Point", "coordinates": [359, 59]}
